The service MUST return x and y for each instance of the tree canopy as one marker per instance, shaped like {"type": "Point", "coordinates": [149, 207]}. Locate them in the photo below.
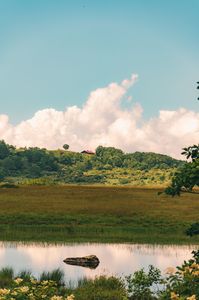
{"type": "Point", "coordinates": [72, 167]}
{"type": "Point", "coordinates": [187, 177]}
{"type": "Point", "coordinates": [66, 146]}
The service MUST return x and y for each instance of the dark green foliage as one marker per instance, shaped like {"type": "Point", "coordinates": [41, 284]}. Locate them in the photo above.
{"type": "Point", "coordinates": [195, 257]}
{"type": "Point", "coordinates": [147, 161]}
{"type": "Point", "coordinates": [8, 186]}
{"type": "Point", "coordinates": [180, 284]}
{"type": "Point", "coordinates": [187, 177]}
{"type": "Point", "coordinates": [112, 157]}
{"type": "Point", "coordinates": [6, 276]}
{"type": "Point", "coordinates": [66, 146]}
{"type": "Point", "coordinates": [30, 163]}
{"type": "Point", "coordinates": [184, 282]}
{"type": "Point", "coordinates": [72, 167]}
{"type": "Point", "coordinates": [4, 150]}
{"type": "Point", "coordinates": [191, 152]}
{"type": "Point", "coordinates": [2, 173]}
{"type": "Point", "coordinates": [109, 156]}
{"type": "Point", "coordinates": [193, 229]}
{"type": "Point", "coordinates": [141, 285]}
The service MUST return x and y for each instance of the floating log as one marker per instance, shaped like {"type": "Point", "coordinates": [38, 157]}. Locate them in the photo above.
{"type": "Point", "coordinates": [91, 261]}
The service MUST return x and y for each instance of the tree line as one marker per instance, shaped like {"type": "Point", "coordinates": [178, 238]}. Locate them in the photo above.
{"type": "Point", "coordinates": [68, 166]}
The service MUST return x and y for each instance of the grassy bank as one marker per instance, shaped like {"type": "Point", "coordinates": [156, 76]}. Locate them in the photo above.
{"type": "Point", "coordinates": [97, 214]}
{"type": "Point", "coordinates": [50, 286]}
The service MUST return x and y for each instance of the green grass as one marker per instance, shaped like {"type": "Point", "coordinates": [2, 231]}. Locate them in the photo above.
{"type": "Point", "coordinates": [96, 214]}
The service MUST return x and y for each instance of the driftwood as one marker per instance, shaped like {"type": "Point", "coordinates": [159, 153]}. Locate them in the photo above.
{"type": "Point", "coordinates": [91, 261]}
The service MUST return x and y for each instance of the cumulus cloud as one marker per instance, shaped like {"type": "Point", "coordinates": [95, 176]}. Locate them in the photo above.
{"type": "Point", "coordinates": [103, 121]}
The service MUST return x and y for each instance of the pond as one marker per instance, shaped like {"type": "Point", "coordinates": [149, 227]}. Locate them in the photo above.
{"type": "Point", "coordinates": [115, 259]}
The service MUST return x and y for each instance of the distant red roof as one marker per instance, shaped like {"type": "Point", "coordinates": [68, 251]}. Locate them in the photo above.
{"type": "Point", "coordinates": [88, 152]}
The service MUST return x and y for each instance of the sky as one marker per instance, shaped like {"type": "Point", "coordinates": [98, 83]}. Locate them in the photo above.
{"type": "Point", "coordinates": [64, 64]}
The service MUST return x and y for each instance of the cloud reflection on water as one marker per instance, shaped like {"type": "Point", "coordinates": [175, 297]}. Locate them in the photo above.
{"type": "Point", "coordinates": [115, 259]}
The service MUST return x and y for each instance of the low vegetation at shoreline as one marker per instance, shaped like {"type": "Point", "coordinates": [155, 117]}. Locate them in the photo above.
{"type": "Point", "coordinates": [178, 284]}
{"type": "Point", "coordinates": [96, 214]}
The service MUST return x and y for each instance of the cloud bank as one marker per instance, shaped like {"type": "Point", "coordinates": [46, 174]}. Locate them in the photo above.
{"type": "Point", "coordinates": [103, 121]}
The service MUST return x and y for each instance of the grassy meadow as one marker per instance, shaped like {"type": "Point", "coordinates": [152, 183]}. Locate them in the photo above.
{"type": "Point", "coordinates": [95, 214]}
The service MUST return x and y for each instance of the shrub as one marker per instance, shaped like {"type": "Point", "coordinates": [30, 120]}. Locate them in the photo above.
{"type": "Point", "coordinates": [184, 283]}
{"type": "Point", "coordinates": [124, 181]}
{"type": "Point", "coordinates": [142, 285]}
{"type": "Point", "coordinates": [193, 229]}
{"type": "Point", "coordinates": [8, 186]}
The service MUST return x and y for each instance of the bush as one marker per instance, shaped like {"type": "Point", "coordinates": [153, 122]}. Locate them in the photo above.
{"type": "Point", "coordinates": [124, 181]}
{"type": "Point", "coordinates": [184, 283]}
{"type": "Point", "coordinates": [9, 186]}
{"type": "Point", "coordinates": [141, 285]}
{"type": "Point", "coordinates": [193, 229]}
{"type": "Point", "coordinates": [181, 283]}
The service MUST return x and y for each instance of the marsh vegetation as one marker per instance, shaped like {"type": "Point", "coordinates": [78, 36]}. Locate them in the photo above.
{"type": "Point", "coordinates": [98, 214]}
{"type": "Point", "coordinates": [178, 284]}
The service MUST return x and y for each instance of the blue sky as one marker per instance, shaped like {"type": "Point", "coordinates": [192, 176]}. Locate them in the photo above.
{"type": "Point", "coordinates": [54, 53]}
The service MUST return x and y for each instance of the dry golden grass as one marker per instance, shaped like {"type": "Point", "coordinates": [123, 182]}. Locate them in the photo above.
{"type": "Point", "coordinates": [98, 200]}
{"type": "Point", "coordinates": [120, 209]}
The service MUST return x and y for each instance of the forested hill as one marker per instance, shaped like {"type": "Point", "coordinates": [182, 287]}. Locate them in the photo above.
{"type": "Point", "coordinates": [106, 165]}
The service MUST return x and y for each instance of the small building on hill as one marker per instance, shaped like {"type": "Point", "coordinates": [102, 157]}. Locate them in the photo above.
{"type": "Point", "coordinates": [88, 152]}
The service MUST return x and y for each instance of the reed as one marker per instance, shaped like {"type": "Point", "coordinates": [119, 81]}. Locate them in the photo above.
{"type": "Point", "coordinates": [56, 275]}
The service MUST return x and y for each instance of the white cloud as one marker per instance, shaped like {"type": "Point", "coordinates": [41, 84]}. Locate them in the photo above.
{"type": "Point", "coordinates": [103, 121]}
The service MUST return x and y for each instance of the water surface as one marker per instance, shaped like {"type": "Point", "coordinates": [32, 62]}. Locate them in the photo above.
{"type": "Point", "coordinates": [115, 259]}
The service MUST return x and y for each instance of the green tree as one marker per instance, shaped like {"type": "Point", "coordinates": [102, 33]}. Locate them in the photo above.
{"type": "Point", "coordinates": [187, 177]}
{"type": "Point", "coordinates": [191, 152]}
{"type": "Point", "coordinates": [2, 174]}
{"type": "Point", "coordinates": [109, 156]}
{"type": "Point", "coordinates": [4, 150]}
{"type": "Point", "coordinates": [66, 146]}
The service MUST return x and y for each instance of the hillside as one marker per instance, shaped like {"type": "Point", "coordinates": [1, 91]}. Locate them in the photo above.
{"type": "Point", "coordinates": [107, 166]}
